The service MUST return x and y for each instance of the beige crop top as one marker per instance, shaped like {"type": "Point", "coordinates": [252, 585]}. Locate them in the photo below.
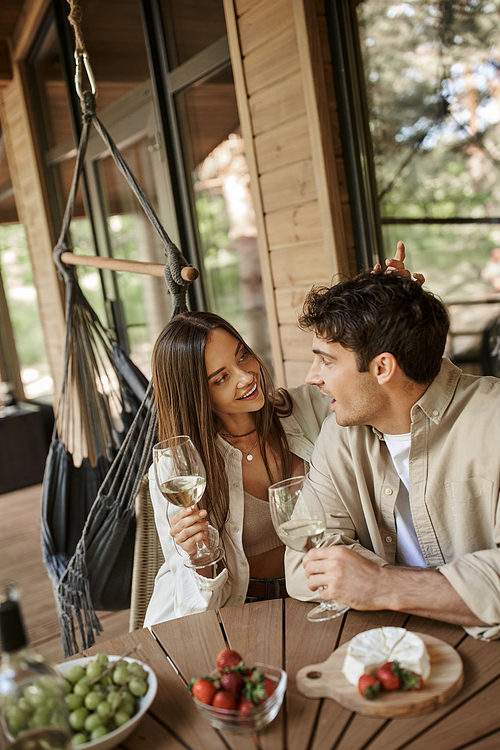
{"type": "Point", "coordinates": [258, 531]}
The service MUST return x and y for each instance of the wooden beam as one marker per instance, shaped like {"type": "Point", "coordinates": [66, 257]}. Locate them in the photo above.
{"type": "Point", "coordinates": [324, 157]}
{"type": "Point", "coordinates": [27, 26]}
{"type": "Point", "coordinates": [188, 273]}
{"type": "Point", "coordinates": [240, 84]}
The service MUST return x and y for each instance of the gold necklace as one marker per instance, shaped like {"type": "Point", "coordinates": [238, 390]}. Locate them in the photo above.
{"type": "Point", "coordinates": [249, 455]}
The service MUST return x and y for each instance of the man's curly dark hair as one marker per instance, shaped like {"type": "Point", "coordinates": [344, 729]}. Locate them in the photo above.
{"type": "Point", "coordinates": [375, 313]}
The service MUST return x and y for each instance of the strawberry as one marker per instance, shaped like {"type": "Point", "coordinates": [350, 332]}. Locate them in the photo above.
{"type": "Point", "coordinates": [223, 699]}
{"type": "Point", "coordinates": [258, 687]}
{"type": "Point", "coordinates": [245, 707]}
{"type": "Point", "coordinates": [204, 690]}
{"type": "Point", "coordinates": [368, 686]}
{"type": "Point", "coordinates": [232, 682]}
{"type": "Point", "coordinates": [389, 675]}
{"type": "Point", "coordinates": [228, 659]}
{"type": "Point", "coordinates": [411, 680]}
{"type": "Point", "coordinates": [269, 688]}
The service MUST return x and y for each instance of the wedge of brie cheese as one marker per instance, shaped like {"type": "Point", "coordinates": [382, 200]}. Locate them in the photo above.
{"type": "Point", "coordinates": [369, 650]}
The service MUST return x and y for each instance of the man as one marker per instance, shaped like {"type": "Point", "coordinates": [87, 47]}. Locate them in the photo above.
{"type": "Point", "coordinates": [408, 469]}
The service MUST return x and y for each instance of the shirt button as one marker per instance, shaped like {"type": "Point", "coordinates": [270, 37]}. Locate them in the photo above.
{"type": "Point", "coordinates": [236, 528]}
{"type": "Point", "coordinates": [435, 412]}
{"type": "Point", "coordinates": [388, 491]}
{"type": "Point", "coordinates": [388, 539]}
{"type": "Point", "coordinates": [235, 485]}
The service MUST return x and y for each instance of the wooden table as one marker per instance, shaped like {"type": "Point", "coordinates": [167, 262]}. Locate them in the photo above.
{"type": "Point", "coordinates": [277, 632]}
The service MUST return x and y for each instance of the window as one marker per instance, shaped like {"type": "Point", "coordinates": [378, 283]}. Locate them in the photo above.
{"type": "Point", "coordinates": [431, 74]}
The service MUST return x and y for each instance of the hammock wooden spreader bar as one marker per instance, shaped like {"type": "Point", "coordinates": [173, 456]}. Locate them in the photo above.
{"type": "Point", "coordinates": [188, 273]}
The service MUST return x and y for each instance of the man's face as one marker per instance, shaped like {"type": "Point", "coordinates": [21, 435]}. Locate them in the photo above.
{"type": "Point", "coordinates": [357, 398]}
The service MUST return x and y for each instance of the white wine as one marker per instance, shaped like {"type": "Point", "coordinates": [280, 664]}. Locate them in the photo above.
{"type": "Point", "coordinates": [49, 738]}
{"type": "Point", "coordinates": [183, 491]}
{"type": "Point", "coordinates": [301, 534]}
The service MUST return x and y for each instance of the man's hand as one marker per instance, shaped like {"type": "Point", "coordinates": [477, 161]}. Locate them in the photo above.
{"type": "Point", "coordinates": [362, 584]}
{"type": "Point", "coordinates": [345, 576]}
{"type": "Point", "coordinates": [396, 265]}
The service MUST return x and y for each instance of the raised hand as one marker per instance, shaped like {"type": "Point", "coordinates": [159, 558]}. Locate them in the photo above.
{"type": "Point", "coordinates": [396, 265]}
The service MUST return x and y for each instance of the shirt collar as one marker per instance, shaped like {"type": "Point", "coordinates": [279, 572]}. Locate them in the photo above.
{"type": "Point", "coordinates": [440, 392]}
{"type": "Point", "coordinates": [438, 395]}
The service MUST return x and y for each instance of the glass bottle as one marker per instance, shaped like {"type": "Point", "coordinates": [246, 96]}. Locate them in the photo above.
{"type": "Point", "coordinates": [33, 714]}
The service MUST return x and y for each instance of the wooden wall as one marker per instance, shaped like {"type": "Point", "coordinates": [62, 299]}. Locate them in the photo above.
{"type": "Point", "coordinates": [284, 86]}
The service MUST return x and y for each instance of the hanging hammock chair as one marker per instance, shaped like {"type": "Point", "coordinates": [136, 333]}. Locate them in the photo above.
{"type": "Point", "coordinates": [105, 428]}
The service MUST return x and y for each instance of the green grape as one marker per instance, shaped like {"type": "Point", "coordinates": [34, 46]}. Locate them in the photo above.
{"type": "Point", "coordinates": [82, 687]}
{"type": "Point", "coordinates": [92, 722]}
{"type": "Point", "coordinates": [114, 701]}
{"type": "Point", "coordinates": [77, 718]}
{"type": "Point", "coordinates": [120, 675]}
{"type": "Point", "coordinates": [138, 687]}
{"type": "Point", "coordinates": [104, 710]}
{"type": "Point", "coordinates": [127, 705]}
{"type": "Point", "coordinates": [49, 683]}
{"type": "Point", "coordinates": [94, 670]}
{"type": "Point", "coordinates": [73, 701]}
{"type": "Point", "coordinates": [79, 738]}
{"type": "Point", "coordinates": [74, 673]}
{"type": "Point", "coordinates": [17, 719]}
{"type": "Point", "coordinates": [121, 717]}
{"type": "Point", "coordinates": [34, 695]}
{"type": "Point", "coordinates": [68, 687]}
{"type": "Point", "coordinates": [91, 701]}
{"type": "Point", "coordinates": [98, 732]}
{"type": "Point", "coordinates": [41, 718]}
{"type": "Point", "coordinates": [106, 680]}
{"type": "Point", "coordinates": [139, 672]}
{"type": "Point", "coordinates": [24, 705]}
{"type": "Point", "coordinates": [102, 659]}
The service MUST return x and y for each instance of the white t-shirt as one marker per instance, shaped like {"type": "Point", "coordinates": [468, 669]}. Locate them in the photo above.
{"type": "Point", "coordinates": [408, 550]}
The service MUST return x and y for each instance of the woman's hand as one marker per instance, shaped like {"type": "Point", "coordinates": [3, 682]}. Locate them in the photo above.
{"type": "Point", "coordinates": [189, 526]}
{"type": "Point", "coordinates": [396, 265]}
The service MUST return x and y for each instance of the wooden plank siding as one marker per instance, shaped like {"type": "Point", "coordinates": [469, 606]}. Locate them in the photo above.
{"type": "Point", "coordinates": [284, 84]}
{"type": "Point", "coordinates": [33, 214]}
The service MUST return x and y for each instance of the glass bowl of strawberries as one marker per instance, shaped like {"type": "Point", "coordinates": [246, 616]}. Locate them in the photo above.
{"type": "Point", "coordinates": [237, 698]}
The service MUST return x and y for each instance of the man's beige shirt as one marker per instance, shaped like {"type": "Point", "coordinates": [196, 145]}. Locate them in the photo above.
{"type": "Point", "coordinates": [454, 491]}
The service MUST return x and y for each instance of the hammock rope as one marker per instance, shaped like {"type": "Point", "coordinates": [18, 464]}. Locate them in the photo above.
{"type": "Point", "coordinates": [99, 566]}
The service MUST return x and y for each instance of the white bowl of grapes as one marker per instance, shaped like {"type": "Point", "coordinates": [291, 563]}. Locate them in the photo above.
{"type": "Point", "coordinates": [106, 697]}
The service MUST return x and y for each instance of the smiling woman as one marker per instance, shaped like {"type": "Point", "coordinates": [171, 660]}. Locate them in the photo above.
{"type": "Point", "coordinates": [211, 386]}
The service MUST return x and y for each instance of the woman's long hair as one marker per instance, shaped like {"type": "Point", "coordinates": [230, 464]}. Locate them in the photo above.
{"type": "Point", "coordinates": [185, 408]}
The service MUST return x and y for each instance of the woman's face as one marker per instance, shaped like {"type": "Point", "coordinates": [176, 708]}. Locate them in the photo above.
{"type": "Point", "coordinates": [233, 375]}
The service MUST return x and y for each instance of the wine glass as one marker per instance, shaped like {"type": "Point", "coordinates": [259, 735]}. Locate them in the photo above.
{"type": "Point", "coordinates": [181, 479]}
{"type": "Point", "coordinates": [301, 525]}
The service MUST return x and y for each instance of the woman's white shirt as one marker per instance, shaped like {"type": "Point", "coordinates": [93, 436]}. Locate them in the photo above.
{"type": "Point", "coordinates": [180, 591]}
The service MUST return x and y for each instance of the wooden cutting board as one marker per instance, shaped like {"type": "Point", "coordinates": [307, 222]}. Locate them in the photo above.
{"type": "Point", "coordinates": [326, 680]}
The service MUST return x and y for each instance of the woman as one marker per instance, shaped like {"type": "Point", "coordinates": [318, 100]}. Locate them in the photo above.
{"type": "Point", "coordinates": [249, 435]}
{"type": "Point", "coordinates": [211, 386]}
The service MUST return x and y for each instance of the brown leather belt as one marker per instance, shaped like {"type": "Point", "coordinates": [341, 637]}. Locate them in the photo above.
{"type": "Point", "coordinates": [264, 589]}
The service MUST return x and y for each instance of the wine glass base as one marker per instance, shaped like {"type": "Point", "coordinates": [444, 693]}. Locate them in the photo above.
{"type": "Point", "coordinates": [320, 614]}
{"type": "Point", "coordinates": [205, 559]}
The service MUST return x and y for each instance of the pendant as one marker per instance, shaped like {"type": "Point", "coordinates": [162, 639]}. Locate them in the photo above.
{"type": "Point", "coordinates": [249, 457]}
